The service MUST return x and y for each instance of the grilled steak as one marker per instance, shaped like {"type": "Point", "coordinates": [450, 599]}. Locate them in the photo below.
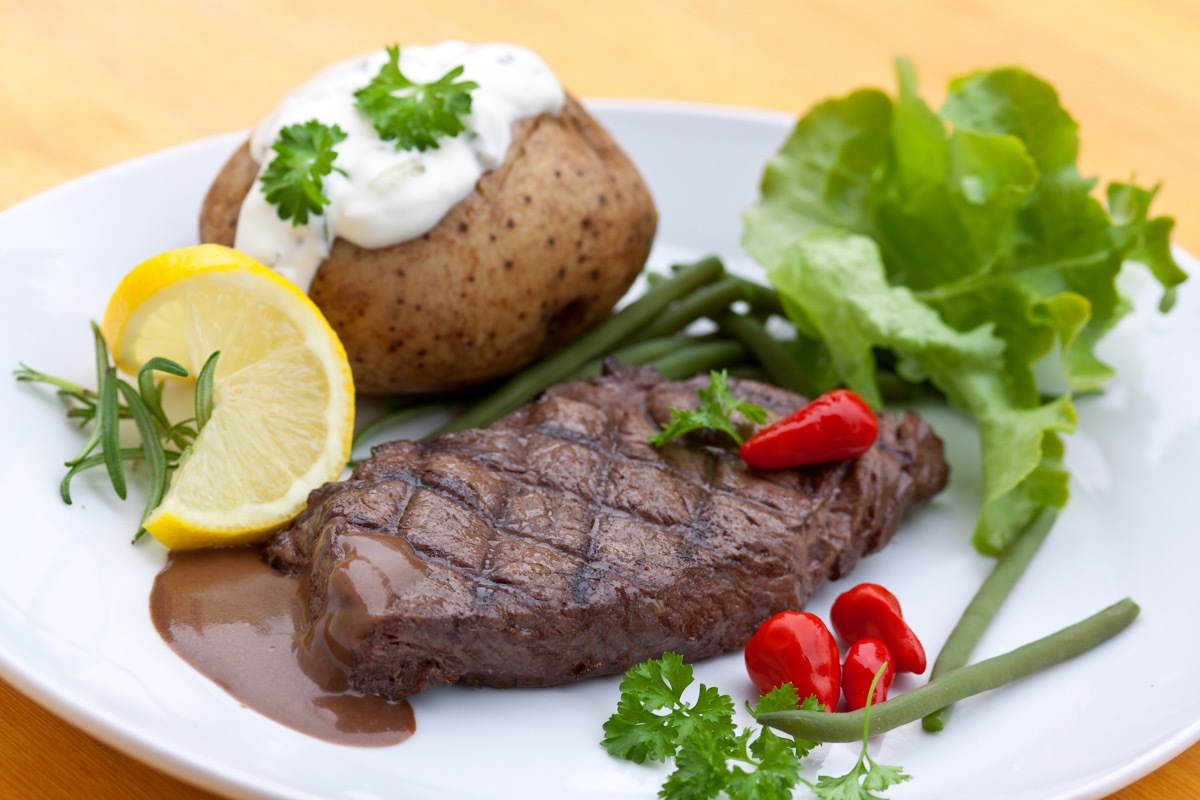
{"type": "Point", "coordinates": [557, 544]}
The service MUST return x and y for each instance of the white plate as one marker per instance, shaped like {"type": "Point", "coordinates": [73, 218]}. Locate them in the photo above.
{"type": "Point", "coordinates": [75, 632]}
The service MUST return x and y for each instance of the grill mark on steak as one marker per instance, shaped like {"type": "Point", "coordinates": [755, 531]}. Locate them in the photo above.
{"type": "Point", "coordinates": [558, 543]}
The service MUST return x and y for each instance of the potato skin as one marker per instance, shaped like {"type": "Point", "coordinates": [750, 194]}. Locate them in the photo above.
{"type": "Point", "coordinates": [537, 254]}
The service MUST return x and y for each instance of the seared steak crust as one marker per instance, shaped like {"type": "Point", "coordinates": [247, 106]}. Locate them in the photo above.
{"type": "Point", "coordinates": [557, 544]}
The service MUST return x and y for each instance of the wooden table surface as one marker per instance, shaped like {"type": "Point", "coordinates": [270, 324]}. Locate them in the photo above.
{"type": "Point", "coordinates": [87, 84]}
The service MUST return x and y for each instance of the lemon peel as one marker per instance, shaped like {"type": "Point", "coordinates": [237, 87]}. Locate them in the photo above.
{"type": "Point", "coordinates": [283, 412]}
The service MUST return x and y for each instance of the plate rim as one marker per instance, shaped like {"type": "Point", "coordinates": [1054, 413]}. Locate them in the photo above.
{"type": "Point", "coordinates": [200, 771]}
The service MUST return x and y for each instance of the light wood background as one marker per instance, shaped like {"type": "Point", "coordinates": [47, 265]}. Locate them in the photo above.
{"type": "Point", "coordinates": [89, 83]}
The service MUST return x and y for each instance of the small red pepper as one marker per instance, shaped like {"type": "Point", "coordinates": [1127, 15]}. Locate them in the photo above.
{"type": "Point", "coordinates": [795, 647]}
{"type": "Point", "coordinates": [836, 426]}
{"type": "Point", "coordinates": [871, 611]}
{"type": "Point", "coordinates": [863, 660]}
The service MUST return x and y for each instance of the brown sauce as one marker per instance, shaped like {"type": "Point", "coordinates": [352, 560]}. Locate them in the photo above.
{"type": "Point", "coordinates": [245, 626]}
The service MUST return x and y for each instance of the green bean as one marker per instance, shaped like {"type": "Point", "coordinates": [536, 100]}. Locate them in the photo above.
{"type": "Point", "coordinates": [750, 372]}
{"type": "Point", "coordinates": [448, 397]}
{"type": "Point", "coordinates": [953, 686]}
{"type": "Point", "coordinates": [761, 298]}
{"type": "Point", "coordinates": [599, 340]}
{"type": "Point", "coordinates": [396, 418]}
{"type": "Point", "coordinates": [769, 352]}
{"type": "Point", "coordinates": [704, 302]}
{"type": "Point", "coordinates": [697, 358]}
{"type": "Point", "coordinates": [642, 352]}
{"type": "Point", "coordinates": [987, 601]}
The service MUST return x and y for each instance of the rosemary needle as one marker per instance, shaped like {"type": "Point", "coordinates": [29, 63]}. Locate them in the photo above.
{"type": "Point", "coordinates": [162, 443]}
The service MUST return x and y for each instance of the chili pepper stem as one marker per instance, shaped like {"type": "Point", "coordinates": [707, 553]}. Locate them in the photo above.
{"type": "Point", "coordinates": [866, 709]}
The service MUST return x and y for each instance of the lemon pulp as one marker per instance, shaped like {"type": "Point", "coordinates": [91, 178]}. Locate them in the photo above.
{"type": "Point", "coordinates": [283, 411]}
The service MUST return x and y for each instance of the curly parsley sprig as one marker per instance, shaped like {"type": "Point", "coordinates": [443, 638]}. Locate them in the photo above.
{"type": "Point", "coordinates": [294, 180]}
{"type": "Point", "coordinates": [654, 723]}
{"type": "Point", "coordinates": [415, 114]}
{"type": "Point", "coordinates": [715, 411]}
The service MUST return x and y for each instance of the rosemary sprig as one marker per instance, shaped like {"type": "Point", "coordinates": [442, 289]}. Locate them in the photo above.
{"type": "Point", "coordinates": [163, 444]}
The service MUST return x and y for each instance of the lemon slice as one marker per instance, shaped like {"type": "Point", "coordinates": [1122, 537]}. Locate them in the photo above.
{"type": "Point", "coordinates": [283, 398]}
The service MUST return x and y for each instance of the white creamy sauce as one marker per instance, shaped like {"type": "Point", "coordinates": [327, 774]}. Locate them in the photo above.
{"type": "Point", "coordinates": [387, 195]}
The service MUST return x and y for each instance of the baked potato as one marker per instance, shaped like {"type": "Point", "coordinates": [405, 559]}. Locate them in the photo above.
{"type": "Point", "coordinates": [539, 252]}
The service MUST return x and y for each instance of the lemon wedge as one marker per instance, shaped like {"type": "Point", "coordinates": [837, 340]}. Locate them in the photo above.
{"type": "Point", "coordinates": [283, 398]}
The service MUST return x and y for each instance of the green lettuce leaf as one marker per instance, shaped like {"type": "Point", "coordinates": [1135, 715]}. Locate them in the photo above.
{"type": "Point", "coordinates": [826, 177]}
{"type": "Point", "coordinates": [839, 282]}
{"type": "Point", "coordinates": [966, 246]}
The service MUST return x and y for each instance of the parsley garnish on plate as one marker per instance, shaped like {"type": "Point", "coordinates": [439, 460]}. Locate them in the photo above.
{"type": "Point", "coordinates": [294, 179]}
{"type": "Point", "coordinates": [715, 411]}
{"type": "Point", "coordinates": [637, 732]}
{"type": "Point", "coordinates": [415, 114]}
{"type": "Point", "coordinates": [654, 723]}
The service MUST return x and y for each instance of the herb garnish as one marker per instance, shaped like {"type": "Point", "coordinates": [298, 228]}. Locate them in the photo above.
{"type": "Point", "coordinates": [710, 755]}
{"type": "Point", "coordinates": [163, 444]}
{"type": "Point", "coordinates": [294, 179]}
{"type": "Point", "coordinates": [715, 411]}
{"type": "Point", "coordinates": [867, 776]}
{"type": "Point", "coordinates": [413, 114]}
{"type": "Point", "coordinates": [416, 115]}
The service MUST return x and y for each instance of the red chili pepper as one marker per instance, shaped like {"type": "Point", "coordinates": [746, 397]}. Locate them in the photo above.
{"type": "Point", "coordinates": [871, 611]}
{"type": "Point", "coordinates": [795, 647]}
{"type": "Point", "coordinates": [834, 427]}
{"type": "Point", "coordinates": [863, 660]}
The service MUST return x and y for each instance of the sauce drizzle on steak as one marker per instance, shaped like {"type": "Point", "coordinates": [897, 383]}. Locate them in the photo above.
{"type": "Point", "coordinates": [558, 544]}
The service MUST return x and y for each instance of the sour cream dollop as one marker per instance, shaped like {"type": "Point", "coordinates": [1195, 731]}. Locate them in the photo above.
{"type": "Point", "coordinates": [388, 196]}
